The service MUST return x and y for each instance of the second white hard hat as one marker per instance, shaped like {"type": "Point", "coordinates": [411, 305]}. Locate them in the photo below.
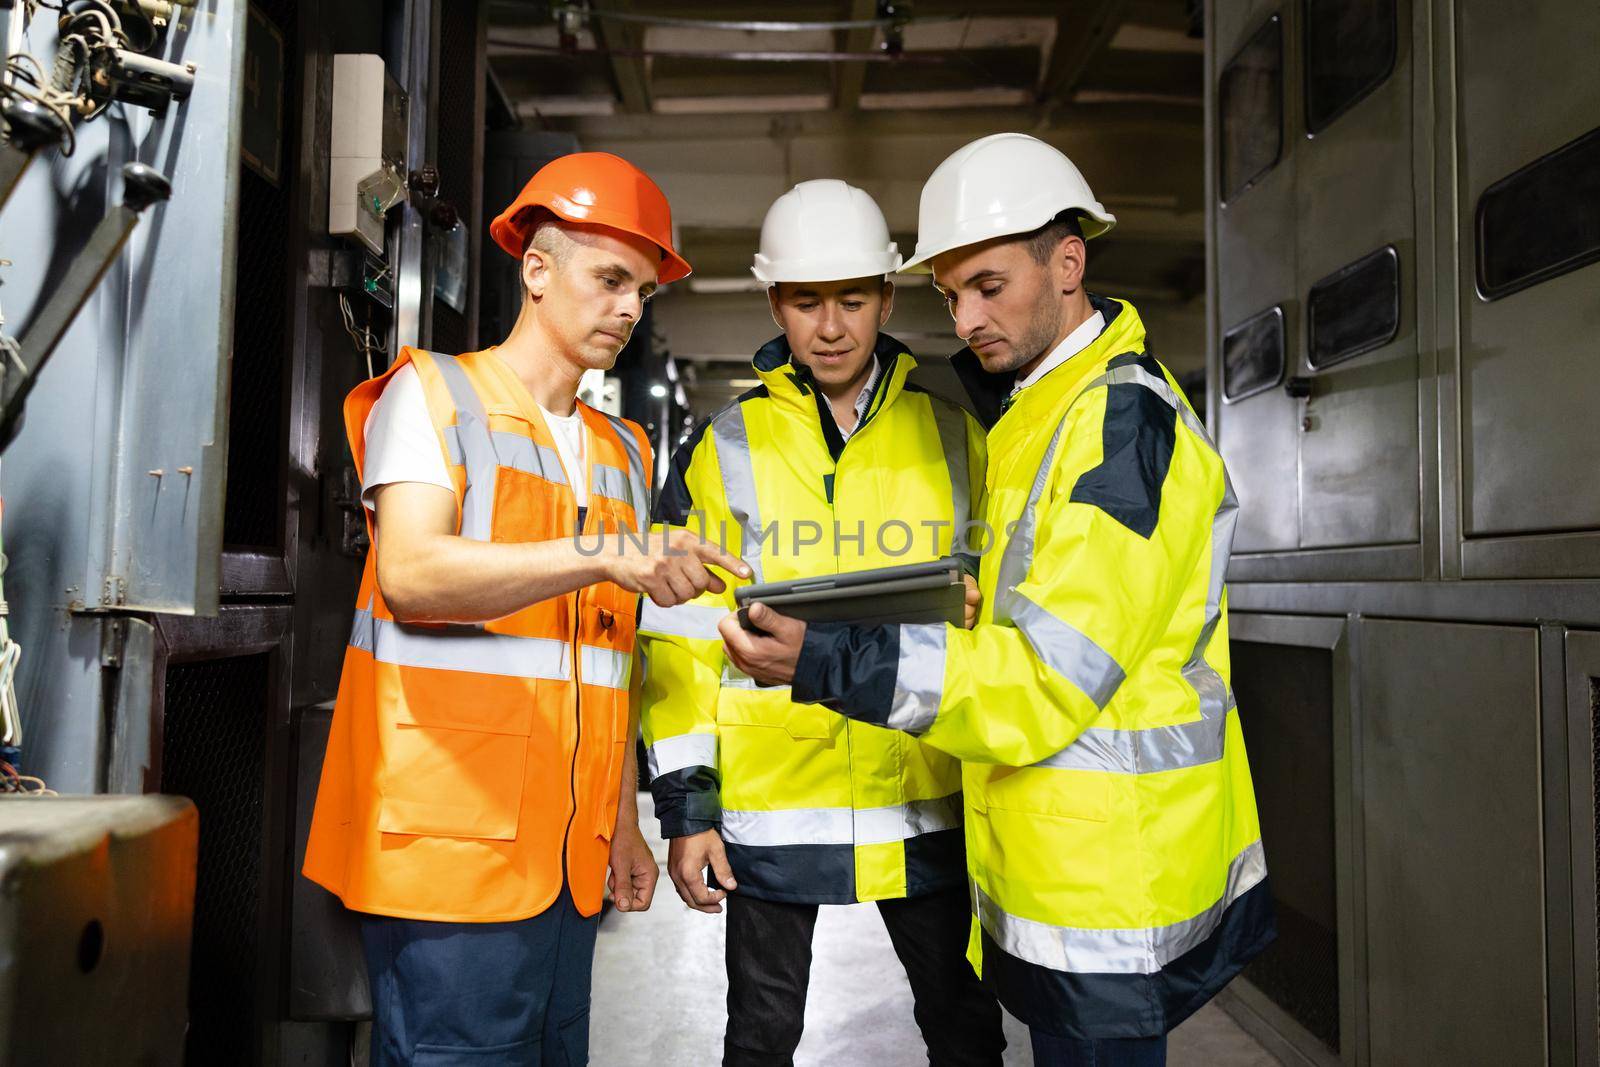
{"type": "Point", "coordinates": [997, 186]}
{"type": "Point", "coordinates": [824, 231]}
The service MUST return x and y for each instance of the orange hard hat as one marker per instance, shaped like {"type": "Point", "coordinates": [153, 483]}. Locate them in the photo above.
{"type": "Point", "coordinates": [600, 189]}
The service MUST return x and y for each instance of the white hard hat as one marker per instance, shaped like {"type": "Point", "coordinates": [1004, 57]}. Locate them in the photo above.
{"type": "Point", "coordinates": [824, 231]}
{"type": "Point", "coordinates": [1003, 184]}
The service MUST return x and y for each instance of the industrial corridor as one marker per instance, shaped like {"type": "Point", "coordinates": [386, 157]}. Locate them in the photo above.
{"type": "Point", "coordinates": [849, 533]}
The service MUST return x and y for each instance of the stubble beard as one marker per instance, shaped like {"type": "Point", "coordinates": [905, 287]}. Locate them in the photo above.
{"type": "Point", "coordinates": [1035, 342]}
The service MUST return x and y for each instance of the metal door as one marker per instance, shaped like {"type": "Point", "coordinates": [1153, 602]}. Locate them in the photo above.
{"type": "Point", "coordinates": [1253, 187]}
{"type": "Point", "coordinates": [1583, 775]}
{"type": "Point", "coordinates": [1353, 214]}
{"type": "Point", "coordinates": [1530, 462]}
{"type": "Point", "coordinates": [1292, 676]}
{"type": "Point", "coordinates": [1454, 875]}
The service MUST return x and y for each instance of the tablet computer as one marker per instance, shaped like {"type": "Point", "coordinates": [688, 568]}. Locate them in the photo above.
{"type": "Point", "coordinates": [932, 591]}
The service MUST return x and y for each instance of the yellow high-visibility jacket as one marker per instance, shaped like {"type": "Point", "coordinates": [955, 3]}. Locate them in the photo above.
{"type": "Point", "coordinates": [811, 808]}
{"type": "Point", "coordinates": [1112, 840]}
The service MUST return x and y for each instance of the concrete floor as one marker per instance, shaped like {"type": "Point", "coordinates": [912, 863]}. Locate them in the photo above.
{"type": "Point", "coordinates": [659, 990]}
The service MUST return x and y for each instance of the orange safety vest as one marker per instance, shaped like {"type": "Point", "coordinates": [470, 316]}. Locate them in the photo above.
{"type": "Point", "coordinates": [469, 766]}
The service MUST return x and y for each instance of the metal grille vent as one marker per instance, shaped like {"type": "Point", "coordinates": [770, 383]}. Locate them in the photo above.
{"type": "Point", "coordinates": [213, 750]}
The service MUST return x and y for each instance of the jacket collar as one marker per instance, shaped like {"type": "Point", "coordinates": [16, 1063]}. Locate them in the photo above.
{"type": "Point", "coordinates": [1124, 332]}
{"type": "Point", "coordinates": [989, 390]}
{"type": "Point", "coordinates": [790, 384]}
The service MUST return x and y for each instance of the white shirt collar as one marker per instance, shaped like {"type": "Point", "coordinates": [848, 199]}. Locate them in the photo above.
{"type": "Point", "coordinates": [864, 398]}
{"type": "Point", "coordinates": [1075, 342]}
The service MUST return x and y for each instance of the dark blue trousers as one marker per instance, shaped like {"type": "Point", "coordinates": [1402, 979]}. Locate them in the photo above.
{"type": "Point", "coordinates": [1052, 1051]}
{"type": "Point", "coordinates": [512, 994]}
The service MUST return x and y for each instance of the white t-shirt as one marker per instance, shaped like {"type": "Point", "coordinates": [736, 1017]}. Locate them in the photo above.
{"type": "Point", "coordinates": [402, 445]}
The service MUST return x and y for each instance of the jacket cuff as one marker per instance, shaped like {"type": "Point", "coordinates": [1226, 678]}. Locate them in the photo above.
{"type": "Point", "coordinates": [848, 668]}
{"type": "Point", "coordinates": [684, 811]}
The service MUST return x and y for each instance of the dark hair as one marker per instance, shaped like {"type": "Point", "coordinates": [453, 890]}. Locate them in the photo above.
{"type": "Point", "coordinates": [1042, 243]}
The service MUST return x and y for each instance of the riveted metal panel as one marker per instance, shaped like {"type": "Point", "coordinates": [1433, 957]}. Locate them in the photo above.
{"type": "Point", "coordinates": [1529, 390]}
{"type": "Point", "coordinates": [1452, 796]}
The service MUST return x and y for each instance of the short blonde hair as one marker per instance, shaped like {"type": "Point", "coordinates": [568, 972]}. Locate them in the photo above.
{"type": "Point", "coordinates": [548, 235]}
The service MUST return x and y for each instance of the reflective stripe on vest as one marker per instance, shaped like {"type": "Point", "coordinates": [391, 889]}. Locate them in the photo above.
{"type": "Point", "coordinates": [476, 445]}
{"type": "Point", "coordinates": [638, 478]}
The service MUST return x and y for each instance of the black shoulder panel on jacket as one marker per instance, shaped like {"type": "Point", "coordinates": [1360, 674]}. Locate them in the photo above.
{"type": "Point", "coordinates": [1137, 439]}
{"type": "Point", "coordinates": [675, 502]}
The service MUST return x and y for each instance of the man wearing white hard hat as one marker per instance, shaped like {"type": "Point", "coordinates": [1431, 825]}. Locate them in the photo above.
{"type": "Point", "coordinates": [833, 463]}
{"type": "Point", "coordinates": [1118, 879]}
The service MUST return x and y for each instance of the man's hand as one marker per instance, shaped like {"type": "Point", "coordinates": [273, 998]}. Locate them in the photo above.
{"type": "Point", "coordinates": [767, 657]}
{"type": "Point", "coordinates": [633, 870]}
{"type": "Point", "coordinates": [670, 568]}
{"type": "Point", "coordinates": [974, 600]}
{"type": "Point", "coordinates": [687, 860]}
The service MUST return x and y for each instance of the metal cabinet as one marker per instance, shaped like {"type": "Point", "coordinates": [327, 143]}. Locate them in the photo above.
{"type": "Point", "coordinates": [1528, 389]}
{"type": "Point", "coordinates": [1454, 885]}
{"type": "Point", "coordinates": [1325, 457]}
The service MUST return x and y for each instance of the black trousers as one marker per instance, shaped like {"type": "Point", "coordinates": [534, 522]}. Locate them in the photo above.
{"type": "Point", "coordinates": [769, 969]}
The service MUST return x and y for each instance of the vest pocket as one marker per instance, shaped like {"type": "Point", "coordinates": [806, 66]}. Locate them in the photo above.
{"type": "Point", "coordinates": [530, 507]}
{"type": "Point", "coordinates": [449, 782]}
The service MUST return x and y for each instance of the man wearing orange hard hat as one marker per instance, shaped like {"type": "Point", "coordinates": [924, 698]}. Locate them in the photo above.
{"type": "Point", "coordinates": [479, 778]}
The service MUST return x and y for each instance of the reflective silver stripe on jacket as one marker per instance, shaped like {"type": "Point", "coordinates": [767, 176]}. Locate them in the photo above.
{"type": "Point", "coordinates": [695, 621]}
{"type": "Point", "coordinates": [1067, 650]}
{"type": "Point", "coordinates": [476, 449]}
{"type": "Point", "coordinates": [604, 666]}
{"type": "Point", "coordinates": [734, 678]}
{"type": "Point", "coordinates": [952, 424]}
{"type": "Point", "coordinates": [679, 753]}
{"type": "Point", "coordinates": [1082, 950]}
{"type": "Point", "coordinates": [732, 442]}
{"type": "Point", "coordinates": [842, 826]}
{"type": "Point", "coordinates": [461, 648]}
{"type": "Point", "coordinates": [919, 679]}
{"type": "Point", "coordinates": [1148, 751]}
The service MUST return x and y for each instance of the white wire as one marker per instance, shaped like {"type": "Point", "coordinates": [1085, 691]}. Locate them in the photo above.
{"type": "Point", "coordinates": [366, 341]}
